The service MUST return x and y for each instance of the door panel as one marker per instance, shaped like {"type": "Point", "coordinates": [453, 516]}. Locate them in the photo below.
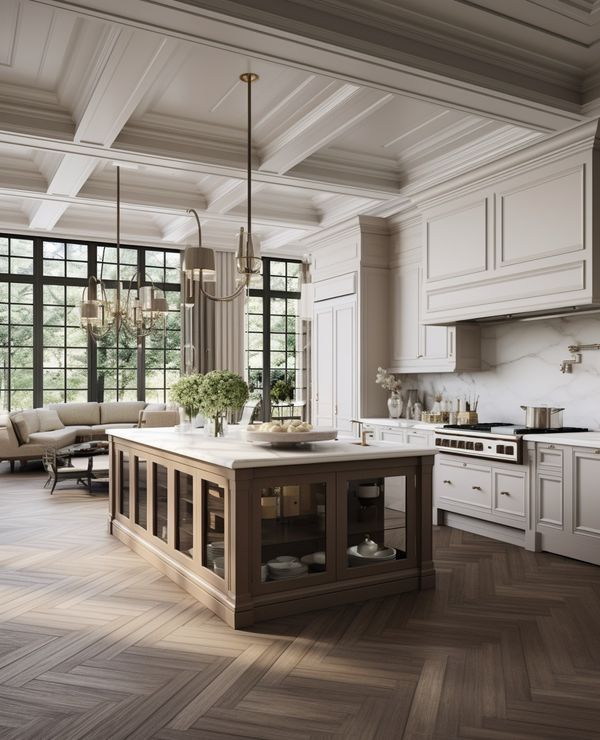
{"type": "Point", "coordinates": [345, 365]}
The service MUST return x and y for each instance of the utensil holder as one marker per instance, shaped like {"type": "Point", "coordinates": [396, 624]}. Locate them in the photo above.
{"type": "Point", "coordinates": [467, 417]}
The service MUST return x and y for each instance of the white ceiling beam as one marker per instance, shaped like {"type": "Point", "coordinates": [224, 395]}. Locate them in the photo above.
{"type": "Point", "coordinates": [281, 239]}
{"type": "Point", "coordinates": [390, 68]}
{"type": "Point", "coordinates": [304, 221]}
{"type": "Point", "coordinates": [231, 194]}
{"type": "Point", "coordinates": [318, 184]}
{"type": "Point", "coordinates": [131, 61]}
{"type": "Point", "coordinates": [340, 111]}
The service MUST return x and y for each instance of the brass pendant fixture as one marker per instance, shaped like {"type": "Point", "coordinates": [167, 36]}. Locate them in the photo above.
{"type": "Point", "coordinates": [199, 262]}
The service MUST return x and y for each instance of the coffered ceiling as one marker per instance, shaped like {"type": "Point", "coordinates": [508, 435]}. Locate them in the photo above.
{"type": "Point", "coordinates": [338, 129]}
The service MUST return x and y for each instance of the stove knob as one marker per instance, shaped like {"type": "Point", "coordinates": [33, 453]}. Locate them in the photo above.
{"type": "Point", "coordinates": [478, 446]}
{"type": "Point", "coordinates": [469, 445]}
{"type": "Point", "coordinates": [508, 450]}
{"type": "Point", "coordinates": [461, 444]}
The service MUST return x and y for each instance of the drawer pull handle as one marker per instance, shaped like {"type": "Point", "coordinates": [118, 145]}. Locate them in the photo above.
{"type": "Point", "coordinates": [477, 488]}
{"type": "Point", "coordinates": [448, 481]}
{"type": "Point", "coordinates": [596, 452]}
{"type": "Point", "coordinates": [504, 493]}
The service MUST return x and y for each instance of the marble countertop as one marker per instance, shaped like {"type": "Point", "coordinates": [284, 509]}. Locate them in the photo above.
{"type": "Point", "coordinates": [233, 452]}
{"type": "Point", "coordinates": [401, 423]}
{"type": "Point", "coordinates": [575, 439]}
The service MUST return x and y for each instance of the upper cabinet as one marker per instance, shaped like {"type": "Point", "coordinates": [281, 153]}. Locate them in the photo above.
{"type": "Point", "coordinates": [523, 243]}
{"type": "Point", "coordinates": [416, 347]}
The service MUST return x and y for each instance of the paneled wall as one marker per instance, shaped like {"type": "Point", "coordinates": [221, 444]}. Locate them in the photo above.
{"type": "Point", "coordinates": [521, 366]}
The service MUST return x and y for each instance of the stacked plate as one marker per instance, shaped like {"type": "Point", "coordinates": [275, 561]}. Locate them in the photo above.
{"type": "Point", "coordinates": [214, 550]}
{"type": "Point", "coordinates": [379, 556]}
{"type": "Point", "coordinates": [315, 562]}
{"type": "Point", "coordinates": [286, 566]}
{"type": "Point", "coordinates": [219, 567]}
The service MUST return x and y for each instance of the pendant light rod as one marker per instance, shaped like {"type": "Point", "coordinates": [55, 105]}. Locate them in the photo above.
{"type": "Point", "coordinates": [118, 234]}
{"type": "Point", "coordinates": [249, 78]}
{"type": "Point", "coordinates": [248, 259]}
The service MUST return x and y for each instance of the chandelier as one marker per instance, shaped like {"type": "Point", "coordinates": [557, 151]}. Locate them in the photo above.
{"type": "Point", "coordinates": [199, 262]}
{"type": "Point", "coordinates": [142, 311]}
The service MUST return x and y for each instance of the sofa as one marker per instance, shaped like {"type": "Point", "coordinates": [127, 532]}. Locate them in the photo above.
{"type": "Point", "coordinates": [25, 435]}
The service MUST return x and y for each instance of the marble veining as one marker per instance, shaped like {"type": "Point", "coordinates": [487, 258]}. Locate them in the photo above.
{"type": "Point", "coordinates": [521, 365]}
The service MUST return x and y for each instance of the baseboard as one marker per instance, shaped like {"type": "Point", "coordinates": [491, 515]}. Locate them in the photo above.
{"type": "Point", "coordinates": [486, 529]}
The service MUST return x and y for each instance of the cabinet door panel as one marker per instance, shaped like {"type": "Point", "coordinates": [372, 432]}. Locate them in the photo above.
{"type": "Point", "coordinates": [457, 241]}
{"type": "Point", "coordinates": [586, 497]}
{"type": "Point", "coordinates": [323, 366]}
{"type": "Point", "coordinates": [509, 492]}
{"type": "Point", "coordinates": [390, 435]}
{"type": "Point", "coordinates": [345, 365]}
{"type": "Point", "coordinates": [550, 500]}
{"type": "Point", "coordinates": [541, 219]}
{"type": "Point", "coordinates": [405, 298]}
{"type": "Point", "coordinates": [436, 343]}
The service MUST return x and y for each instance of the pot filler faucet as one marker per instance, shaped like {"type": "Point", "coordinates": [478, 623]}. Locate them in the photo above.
{"type": "Point", "coordinates": [566, 366]}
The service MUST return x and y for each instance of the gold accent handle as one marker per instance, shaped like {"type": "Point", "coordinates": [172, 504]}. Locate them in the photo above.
{"type": "Point", "coordinates": [448, 481]}
{"type": "Point", "coordinates": [504, 493]}
{"type": "Point", "coordinates": [477, 488]}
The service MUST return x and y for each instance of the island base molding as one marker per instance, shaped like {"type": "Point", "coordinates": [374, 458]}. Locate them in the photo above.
{"type": "Point", "coordinates": [254, 544]}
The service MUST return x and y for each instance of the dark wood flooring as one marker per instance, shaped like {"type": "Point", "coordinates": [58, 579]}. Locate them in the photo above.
{"type": "Point", "coordinates": [96, 644]}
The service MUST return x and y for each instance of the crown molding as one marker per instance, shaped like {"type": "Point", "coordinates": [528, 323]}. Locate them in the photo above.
{"type": "Point", "coordinates": [578, 139]}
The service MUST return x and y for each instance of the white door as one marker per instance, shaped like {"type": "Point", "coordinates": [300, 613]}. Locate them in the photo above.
{"type": "Point", "coordinates": [405, 297]}
{"type": "Point", "coordinates": [345, 363]}
{"type": "Point", "coordinates": [323, 366]}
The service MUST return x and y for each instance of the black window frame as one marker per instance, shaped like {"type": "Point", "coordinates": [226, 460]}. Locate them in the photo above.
{"type": "Point", "coordinates": [38, 280]}
{"type": "Point", "coordinates": [267, 293]}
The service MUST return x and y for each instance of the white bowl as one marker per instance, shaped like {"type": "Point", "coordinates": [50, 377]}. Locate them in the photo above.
{"type": "Point", "coordinates": [381, 556]}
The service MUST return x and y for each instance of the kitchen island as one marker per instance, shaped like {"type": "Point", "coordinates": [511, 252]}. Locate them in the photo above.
{"type": "Point", "coordinates": [256, 532]}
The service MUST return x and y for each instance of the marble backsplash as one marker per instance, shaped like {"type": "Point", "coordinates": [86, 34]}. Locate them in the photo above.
{"type": "Point", "coordinates": [521, 365]}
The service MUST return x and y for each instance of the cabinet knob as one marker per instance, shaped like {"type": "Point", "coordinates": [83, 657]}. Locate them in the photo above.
{"type": "Point", "coordinates": [550, 447]}
{"type": "Point", "coordinates": [419, 357]}
{"type": "Point", "coordinates": [448, 481]}
{"type": "Point", "coordinates": [476, 488]}
{"type": "Point", "coordinates": [504, 493]}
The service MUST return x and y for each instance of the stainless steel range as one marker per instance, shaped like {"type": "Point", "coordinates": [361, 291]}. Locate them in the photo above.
{"type": "Point", "coordinates": [495, 441]}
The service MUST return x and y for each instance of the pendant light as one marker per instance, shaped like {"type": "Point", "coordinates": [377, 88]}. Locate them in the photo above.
{"type": "Point", "coordinates": [199, 262]}
{"type": "Point", "coordinates": [144, 309]}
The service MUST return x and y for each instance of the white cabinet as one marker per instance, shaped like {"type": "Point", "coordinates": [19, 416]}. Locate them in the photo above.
{"type": "Point", "coordinates": [418, 348]}
{"type": "Point", "coordinates": [335, 363]}
{"type": "Point", "coordinates": [567, 501]}
{"type": "Point", "coordinates": [483, 489]}
{"type": "Point", "coordinates": [522, 243]}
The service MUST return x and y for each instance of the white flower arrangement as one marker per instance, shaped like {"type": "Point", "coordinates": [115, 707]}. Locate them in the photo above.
{"type": "Point", "coordinates": [220, 391]}
{"type": "Point", "coordinates": [388, 380]}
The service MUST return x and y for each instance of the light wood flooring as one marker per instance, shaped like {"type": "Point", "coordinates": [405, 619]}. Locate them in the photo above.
{"type": "Point", "coordinates": [96, 644]}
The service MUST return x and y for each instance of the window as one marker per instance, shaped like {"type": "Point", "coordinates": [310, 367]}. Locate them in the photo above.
{"type": "Point", "coordinates": [45, 356]}
{"type": "Point", "coordinates": [273, 330]}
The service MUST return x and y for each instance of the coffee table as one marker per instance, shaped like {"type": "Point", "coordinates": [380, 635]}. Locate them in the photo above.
{"type": "Point", "coordinates": [89, 449]}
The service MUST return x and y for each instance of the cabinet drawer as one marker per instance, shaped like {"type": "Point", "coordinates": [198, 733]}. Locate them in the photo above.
{"type": "Point", "coordinates": [418, 439]}
{"type": "Point", "coordinates": [464, 484]}
{"type": "Point", "coordinates": [388, 435]}
{"type": "Point", "coordinates": [509, 492]}
{"type": "Point", "coordinates": [549, 456]}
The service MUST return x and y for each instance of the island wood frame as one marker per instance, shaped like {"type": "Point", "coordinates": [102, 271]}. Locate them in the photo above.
{"type": "Point", "coordinates": [240, 598]}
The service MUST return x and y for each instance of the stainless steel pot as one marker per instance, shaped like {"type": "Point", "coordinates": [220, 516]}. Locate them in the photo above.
{"type": "Point", "coordinates": [542, 417]}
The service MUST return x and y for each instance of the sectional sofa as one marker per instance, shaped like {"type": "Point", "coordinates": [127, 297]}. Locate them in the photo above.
{"type": "Point", "coordinates": [24, 435]}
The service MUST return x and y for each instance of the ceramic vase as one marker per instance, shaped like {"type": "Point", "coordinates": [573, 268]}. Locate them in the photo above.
{"type": "Point", "coordinates": [394, 404]}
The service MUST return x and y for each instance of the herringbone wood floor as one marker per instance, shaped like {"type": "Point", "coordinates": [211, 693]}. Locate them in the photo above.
{"type": "Point", "coordinates": [96, 644]}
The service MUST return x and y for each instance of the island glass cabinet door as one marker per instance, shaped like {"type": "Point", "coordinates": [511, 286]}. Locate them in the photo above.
{"type": "Point", "coordinates": [293, 532]}
{"type": "Point", "coordinates": [377, 528]}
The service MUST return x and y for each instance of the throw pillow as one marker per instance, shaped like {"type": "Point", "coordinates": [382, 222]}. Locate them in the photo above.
{"type": "Point", "coordinates": [49, 420]}
{"type": "Point", "coordinates": [21, 428]}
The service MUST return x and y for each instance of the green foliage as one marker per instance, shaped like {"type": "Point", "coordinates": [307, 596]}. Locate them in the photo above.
{"type": "Point", "coordinates": [221, 390]}
{"type": "Point", "coordinates": [282, 390]}
{"type": "Point", "coordinates": [187, 392]}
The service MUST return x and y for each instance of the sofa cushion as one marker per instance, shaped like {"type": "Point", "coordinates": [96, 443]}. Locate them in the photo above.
{"type": "Point", "coordinates": [78, 413]}
{"type": "Point", "coordinates": [56, 439]}
{"type": "Point", "coordinates": [25, 423]}
{"type": "Point", "coordinates": [49, 420]}
{"type": "Point", "coordinates": [155, 407]}
{"type": "Point", "coordinates": [116, 425]}
{"type": "Point", "coordinates": [118, 413]}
